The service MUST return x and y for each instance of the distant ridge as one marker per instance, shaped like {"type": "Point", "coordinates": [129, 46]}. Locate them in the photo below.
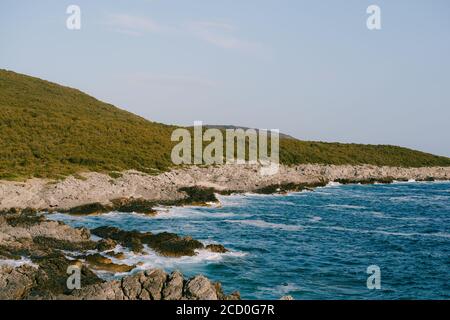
{"type": "Point", "coordinates": [48, 130]}
{"type": "Point", "coordinates": [224, 127]}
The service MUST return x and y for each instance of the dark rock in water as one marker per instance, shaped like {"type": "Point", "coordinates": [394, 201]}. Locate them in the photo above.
{"type": "Point", "coordinates": [134, 205]}
{"type": "Point", "coordinates": [91, 208]}
{"type": "Point", "coordinates": [198, 195]}
{"type": "Point", "coordinates": [216, 248]}
{"type": "Point", "coordinates": [51, 278]}
{"type": "Point", "coordinates": [170, 244]}
{"type": "Point", "coordinates": [121, 204]}
{"type": "Point", "coordinates": [48, 242]}
{"type": "Point", "coordinates": [97, 258]}
{"type": "Point", "coordinates": [386, 180]}
{"type": "Point", "coordinates": [165, 243]}
{"type": "Point", "coordinates": [289, 187]}
{"type": "Point", "coordinates": [129, 239]}
{"type": "Point", "coordinates": [117, 255]}
{"type": "Point", "coordinates": [106, 244]}
{"type": "Point", "coordinates": [98, 262]}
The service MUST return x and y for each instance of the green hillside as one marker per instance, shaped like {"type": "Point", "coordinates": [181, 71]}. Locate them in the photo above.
{"type": "Point", "coordinates": [47, 130]}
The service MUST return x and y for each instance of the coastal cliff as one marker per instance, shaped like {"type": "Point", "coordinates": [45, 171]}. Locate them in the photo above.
{"type": "Point", "coordinates": [167, 188]}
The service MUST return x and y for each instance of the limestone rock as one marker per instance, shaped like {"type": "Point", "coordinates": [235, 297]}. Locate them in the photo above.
{"type": "Point", "coordinates": [200, 288]}
{"type": "Point", "coordinates": [173, 289]}
{"type": "Point", "coordinates": [16, 283]}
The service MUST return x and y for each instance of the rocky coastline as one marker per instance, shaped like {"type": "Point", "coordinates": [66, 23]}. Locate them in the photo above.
{"type": "Point", "coordinates": [35, 252]}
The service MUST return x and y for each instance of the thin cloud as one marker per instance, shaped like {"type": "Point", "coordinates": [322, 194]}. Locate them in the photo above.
{"type": "Point", "coordinates": [217, 33]}
{"type": "Point", "coordinates": [221, 34]}
{"type": "Point", "coordinates": [133, 25]}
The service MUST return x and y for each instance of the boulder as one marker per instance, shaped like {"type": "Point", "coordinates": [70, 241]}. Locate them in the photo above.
{"type": "Point", "coordinates": [154, 282]}
{"type": "Point", "coordinates": [173, 289]}
{"type": "Point", "coordinates": [16, 283]}
{"type": "Point", "coordinates": [106, 244]}
{"type": "Point", "coordinates": [200, 288]}
{"type": "Point", "coordinates": [216, 248]}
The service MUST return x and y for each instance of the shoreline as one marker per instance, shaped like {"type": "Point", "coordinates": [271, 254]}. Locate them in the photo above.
{"type": "Point", "coordinates": [36, 250]}
{"type": "Point", "coordinates": [135, 191]}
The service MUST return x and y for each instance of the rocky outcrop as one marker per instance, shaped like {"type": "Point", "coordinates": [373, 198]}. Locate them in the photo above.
{"type": "Point", "coordinates": [35, 255]}
{"type": "Point", "coordinates": [138, 192]}
{"type": "Point", "coordinates": [200, 288]}
{"type": "Point", "coordinates": [165, 243]}
{"type": "Point", "coordinates": [152, 284]}
{"type": "Point", "coordinates": [173, 290]}
{"type": "Point", "coordinates": [16, 282]}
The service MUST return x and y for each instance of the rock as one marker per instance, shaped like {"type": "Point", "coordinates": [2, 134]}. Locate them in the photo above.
{"type": "Point", "coordinates": [16, 283]}
{"type": "Point", "coordinates": [286, 298]}
{"type": "Point", "coordinates": [46, 244]}
{"type": "Point", "coordinates": [200, 288]}
{"type": "Point", "coordinates": [216, 248]}
{"type": "Point", "coordinates": [89, 209]}
{"type": "Point", "coordinates": [90, 194]}
{"type": "Point", "coordinates": [173, 290]}
{"type": "Point", "coordinates": [51, 278]}
{"type": "Point", "coordinates": [117, 255]}
{"type": "Point", "coordinates": [97, 258]}
{"type": "Point", "coordinates": [98, 262]}
{"type": "Point", "coordinates": [154, 282]}
{"type": "Point", "coordinates": [106, 244]}
{"type": "Point", "coordinates": [132, 287]}
{"type": "Point", "coordinates": [165, 243]}
{"type": "Point", "coordinates": [111, 290]}
{"type": "Point", "coordinates": [233, 296]}
{"type": "Point", "coordinates": [134, 205]}
{"type": "Point", "coordinates": [54, 243]}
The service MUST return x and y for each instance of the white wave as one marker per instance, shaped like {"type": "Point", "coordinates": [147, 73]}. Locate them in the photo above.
{"type": "Point", "coordinates": [315, 219]}
{"type": "Point", "coordinates": [279, 290]}
{"type": "Point", "coordinates": [187, 213]}
{"type": "Point", "coordinates": [150, 259]}
{"type": "Point", "coordinates": [118, 214]}
{"type": "Point", "coordinates": [284, 289]}
{"type": "Point", "coordinates": [265, 224]}
{"type": "Point", "coordinates": [389, 233]}
{"type": "Point", "coordinates": [344, 206]}
{"type": "Point", "coordinates": [333, 184]}
{"type": "Point", "coordinates": [17, 263]}
{"type": "Point", "coordinates": [232, 200]}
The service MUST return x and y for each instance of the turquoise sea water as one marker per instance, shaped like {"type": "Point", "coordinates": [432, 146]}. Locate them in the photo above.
{"type": "Point", "coordinates": [312, 245]}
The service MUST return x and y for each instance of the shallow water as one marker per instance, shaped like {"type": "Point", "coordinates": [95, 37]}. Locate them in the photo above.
{"type": "Point", "coordinates": [312, 245]}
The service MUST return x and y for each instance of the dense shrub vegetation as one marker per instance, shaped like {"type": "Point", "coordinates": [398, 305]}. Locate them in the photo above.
{"type": "Point", "coordinates": [47, 130]}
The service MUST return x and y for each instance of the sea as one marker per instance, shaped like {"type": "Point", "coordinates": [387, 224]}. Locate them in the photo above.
{"type": "Point", "coordinates": [381, 241]}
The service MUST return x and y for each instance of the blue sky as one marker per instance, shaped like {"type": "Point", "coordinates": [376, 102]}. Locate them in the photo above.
{"type": "Point", "coordinates": [309, 68]}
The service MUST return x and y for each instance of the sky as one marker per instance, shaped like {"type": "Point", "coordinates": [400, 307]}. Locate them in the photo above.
{"type": "Point", "coordinates": [309, 68]}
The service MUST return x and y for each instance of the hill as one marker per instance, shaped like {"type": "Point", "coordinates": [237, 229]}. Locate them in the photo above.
{"type": "Point", "coordinates": [48, 130]}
